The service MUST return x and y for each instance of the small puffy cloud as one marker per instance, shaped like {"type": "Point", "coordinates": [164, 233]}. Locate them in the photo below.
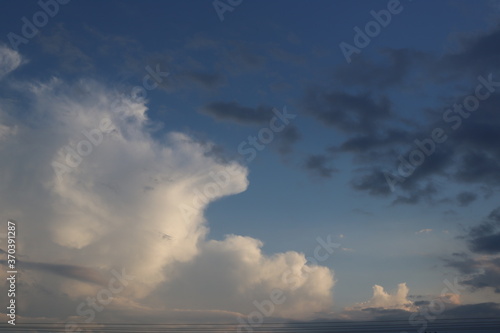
{"type": "Point", "coordinates": [399, 305]}
{"type": "Point", "coordinates": [9, 60]}
{"type": "Point", "coordinates": [347, 249]}
{"type": "Point", "coordinates": [386, 300]}
{"type": "Point", "coordinates": [424, 231]}
{"type": "Point", "coordinates": [397, 300]}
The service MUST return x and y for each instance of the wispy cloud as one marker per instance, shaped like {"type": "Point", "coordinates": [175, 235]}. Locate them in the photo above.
{"type": "Point", "coordinates": [424, 231]}
{"type": "Point", "coordinates": [9, 60]}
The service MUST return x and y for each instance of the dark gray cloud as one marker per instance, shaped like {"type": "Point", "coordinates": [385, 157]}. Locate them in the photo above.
{"type": "Point", "coordinates": [470, 155]}
{"type": "Point", "coordinates": [480, 310]}
{"type": "Point", "coordinates": [234, 112]}
{"type": "Point", "coordinates": [373, 182]}
{"type": "Point", "coordinates": [452, 311]}
{"type": "Point", "coordinates": [286, 139]}
{"type": "Point", "coordinates": [318, 165]}
{"type": "Point", "coordinates": [489, 244]}
{"type": "Point", "coordinates": [79, 273]}
{"type": "Point", "coordinates": [367, 142]}
{"type": "Point", "coordinates": [477, 53]}
{"type": "Point", "coordinates": [485, 237]}
{"type": "Point", "coordinates": [416, 195]}
{"type": "Point", "coordinates": [413, 189]}
{"type": "Point", "coordinates": [207, 80]}
{"type": "Point", "coordinates": [347, 112]}
{"type": "Point", "coordinates": [246, 55]}
{"type": "Point", "coordinates": [284, 56]}
{"type": "Point", "coordinates": [478, 167]}
{"type": "Point", "coordinates": [466, 198]}
{"type": "Point", "coordinates": [377, 137]}
{"type": "Point", "coordinates": [382, 314]}
{"type": "Point", "coordinates": [482, 271]}
{"type": "Point", "coordinates": [421, 303]}
{"type": "Point", "coordinates": [218, 152]}
{"type": "Point", "coordinates": [394, 69]}
{"type": "Point", "coordinates": [397, 320]}
{"type": "Point", "coordinates": [464, 264]}
{"type": "Point", "coordinates": [494, 216]}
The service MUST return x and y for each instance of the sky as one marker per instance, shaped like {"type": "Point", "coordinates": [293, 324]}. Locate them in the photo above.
{"type": "Point", "coordinates": [250, 162]}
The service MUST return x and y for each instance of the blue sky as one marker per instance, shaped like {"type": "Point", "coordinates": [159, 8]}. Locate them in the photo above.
{"type": "Point", "coordinates": [221, 78]}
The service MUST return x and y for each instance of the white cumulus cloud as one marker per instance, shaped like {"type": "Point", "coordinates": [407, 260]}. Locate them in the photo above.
{"type": "Point", "coordinates": [397, 299]}
{"type": "Point", "coordinates": [110, 196]}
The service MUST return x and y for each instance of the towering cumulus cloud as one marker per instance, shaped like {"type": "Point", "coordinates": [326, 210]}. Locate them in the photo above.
{"type": "Point", "coordinates": [93, 190]}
